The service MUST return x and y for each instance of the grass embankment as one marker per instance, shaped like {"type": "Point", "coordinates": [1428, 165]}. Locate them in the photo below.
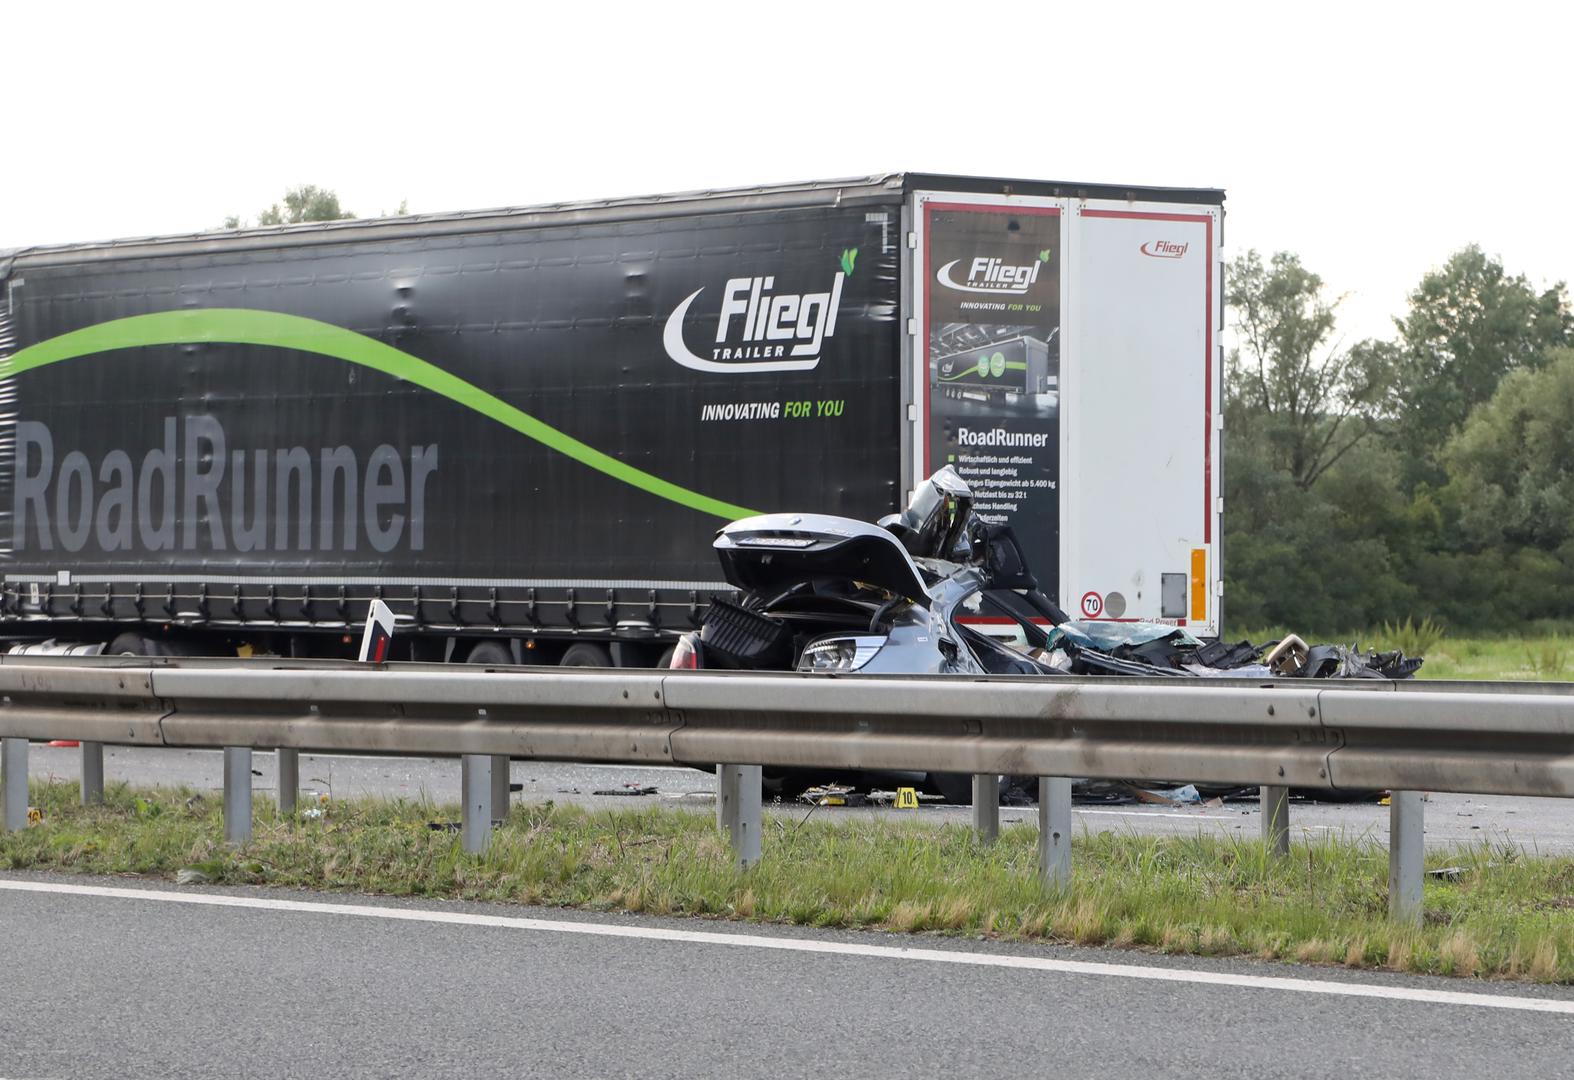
{"type": "Point", "coordinates": [1536, 659]}
{"type": "Point", "coordinates": [1507, 914]}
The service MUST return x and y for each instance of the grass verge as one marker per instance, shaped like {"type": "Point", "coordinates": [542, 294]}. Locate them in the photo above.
{"type": "Point", "coordinates": [1506, 915]}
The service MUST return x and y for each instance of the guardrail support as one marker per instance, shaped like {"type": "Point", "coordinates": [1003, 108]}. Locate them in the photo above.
{"type": "Point", "coordinates": [986, 806]}
{"type": "Point", "coordinates": [738, 810]}
{"type": "Point", "coordinates": [1054, 830]}
{"type": "Point", "coordinates": [476, 791]}
{"type": "Point", "coordinates": [288, 767]}
{"type": "Point", "coordinates": [500, 778]}
{"type": "Point", "coordinates": [92, 772]}
{"type": "Point", "coordinates": [1406, 856]}
{"type": "Point", "coordinates": [1275, 805]}
{"type": "Point", "coordinates": [237, 794]}
{"type": "Point", "coordinates": [13, 777]}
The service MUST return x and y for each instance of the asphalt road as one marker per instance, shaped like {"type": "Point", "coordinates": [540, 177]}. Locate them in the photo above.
{"type": "Point", "coordinates": [132, 986]}
{"type": "Point", "coordinates": [1543, 825]}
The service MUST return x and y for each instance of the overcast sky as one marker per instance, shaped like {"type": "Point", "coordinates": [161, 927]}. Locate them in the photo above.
{"type": "Point", "coordinates": [1374, 138]}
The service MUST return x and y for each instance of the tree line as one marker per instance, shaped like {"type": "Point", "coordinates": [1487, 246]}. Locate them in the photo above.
{"type": "Point", "coordinates": [1426, 475]}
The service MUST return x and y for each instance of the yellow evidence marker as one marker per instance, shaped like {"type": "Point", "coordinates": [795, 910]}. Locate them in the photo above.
{"type": "Point", "coordinates": [906, 798]}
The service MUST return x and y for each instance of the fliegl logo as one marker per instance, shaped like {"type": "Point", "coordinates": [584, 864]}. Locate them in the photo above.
{"type": "Point", "coordinates": [987, 274]}
{"type": "Point", "coordinates": [760, 329]}
{"type": "Point", "coordinates": [1164, 249]}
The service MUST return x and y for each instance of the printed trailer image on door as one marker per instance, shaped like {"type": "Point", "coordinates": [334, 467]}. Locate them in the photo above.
{"type": "Point", "coordinates": [992, 309]}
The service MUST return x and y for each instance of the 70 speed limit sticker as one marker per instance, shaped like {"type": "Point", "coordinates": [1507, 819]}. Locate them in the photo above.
{"type": "Point", "coordinates": [1092, 605]}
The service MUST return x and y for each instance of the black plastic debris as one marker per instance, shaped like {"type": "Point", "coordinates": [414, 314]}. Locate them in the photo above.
{"type": "Point", "coordinates": [1158, 650]}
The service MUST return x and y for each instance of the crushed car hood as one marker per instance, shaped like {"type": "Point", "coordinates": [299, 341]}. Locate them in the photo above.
{"type": "Point", "coordinates": [776, 551]}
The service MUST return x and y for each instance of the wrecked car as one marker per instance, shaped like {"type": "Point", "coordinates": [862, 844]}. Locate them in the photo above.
{"type": "Point", "coordinates": [934, 589]}
{"type": "Point", "coordinates": [832, 594]}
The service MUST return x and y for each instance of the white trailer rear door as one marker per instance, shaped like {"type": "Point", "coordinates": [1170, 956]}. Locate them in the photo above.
{"type": "Point", "coordinates": [1140, 404]}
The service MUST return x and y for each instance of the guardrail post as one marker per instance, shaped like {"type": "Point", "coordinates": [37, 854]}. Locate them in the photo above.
{"type": "Point", "coordinates": [500, 777]}
{"type": "Point", "coordinates": [288, 766]}
{"type": "Point", "coordinates": [92, 773]}
{"type": "Point", "coordinates": [1406, 856]}
{"type": "Point", "coordinates": [476, 791]}
{"type": "Point", "coordinates": [1275, 804]}
{"type": "Point", "coordinates": [13, 777]}
{"type": "Point", "coordinates": [1054, 830]}
{"type": "Point", "coordinates": [237, 794]}
{"type": "Point", "coordinates": [738, 810]}
{"type": "Point", "coordinates": [986, 806]}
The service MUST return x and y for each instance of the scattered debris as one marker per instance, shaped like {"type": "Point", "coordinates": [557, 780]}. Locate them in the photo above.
{"type": "Point", "coordinates": [1447, 873]}
{"type": "Point", "coordinates": [445, 826]}
{"type": "Point", "coordinates": [885, 798]}
{"type": "Point", "coordinates": [833, 795]}
{"type": "Point", "coordinates": [1181, 796]}
{"type": "Point", "coordinates": [628, 789]}
{"type": "Point", "coordinates": [1105, 792]}
{"type": "Point", "coordinates": [1095, 647]}
{"type": "Point", "coordinates": [691, 796]}
{"type": "Point", "coordinates": [191, 876]}
{"type": "Point", "coordinates": [1288, 656]}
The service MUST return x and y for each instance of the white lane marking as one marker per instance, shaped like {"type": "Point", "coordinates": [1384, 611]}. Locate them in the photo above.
{"type": "Point", "coordinates": [805, 945]}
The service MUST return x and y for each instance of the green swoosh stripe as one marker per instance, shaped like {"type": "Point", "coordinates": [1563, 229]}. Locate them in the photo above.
{"type": "Point", "coordinates": [1011, 365]}
{"type": "Point", "coordinates": [245, 326]}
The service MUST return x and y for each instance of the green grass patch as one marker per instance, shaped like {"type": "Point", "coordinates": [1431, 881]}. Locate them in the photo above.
{"type": "Point", "coordinates": [1507, 915]}
{"type": "Point", "coordinates": [1547, 658]}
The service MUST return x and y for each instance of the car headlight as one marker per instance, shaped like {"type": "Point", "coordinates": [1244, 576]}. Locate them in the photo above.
{"type": "Point", "coordinates": [839, 653]}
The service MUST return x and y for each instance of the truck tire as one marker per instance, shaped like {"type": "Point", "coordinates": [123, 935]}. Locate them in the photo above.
{"type": "Point", "coordinates": [492, 654]}
{"type": "Point", "coordinates": [135, 644]}
{"type": "Point", "coordinates": [586, 654]}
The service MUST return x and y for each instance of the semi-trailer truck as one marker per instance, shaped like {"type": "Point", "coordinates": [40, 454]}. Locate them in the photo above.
{"type": "Point", "coordinates": [521, 428]}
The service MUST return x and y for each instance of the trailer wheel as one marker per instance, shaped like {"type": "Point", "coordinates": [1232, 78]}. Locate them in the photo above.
{"type": "Point", "coordinates": [134, 644]}
{"type": "Point", "coordinates": [586, 654]}
{"type": "Point", "coordinates": [492, 654]}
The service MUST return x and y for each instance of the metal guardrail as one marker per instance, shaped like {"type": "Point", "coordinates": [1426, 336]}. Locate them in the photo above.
{"type": "Point", "coordinates": [1509, 739]}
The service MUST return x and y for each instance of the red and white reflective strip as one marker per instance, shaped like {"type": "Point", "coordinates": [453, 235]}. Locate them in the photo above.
{"type": "Point", "coordinates": [684, 654]}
